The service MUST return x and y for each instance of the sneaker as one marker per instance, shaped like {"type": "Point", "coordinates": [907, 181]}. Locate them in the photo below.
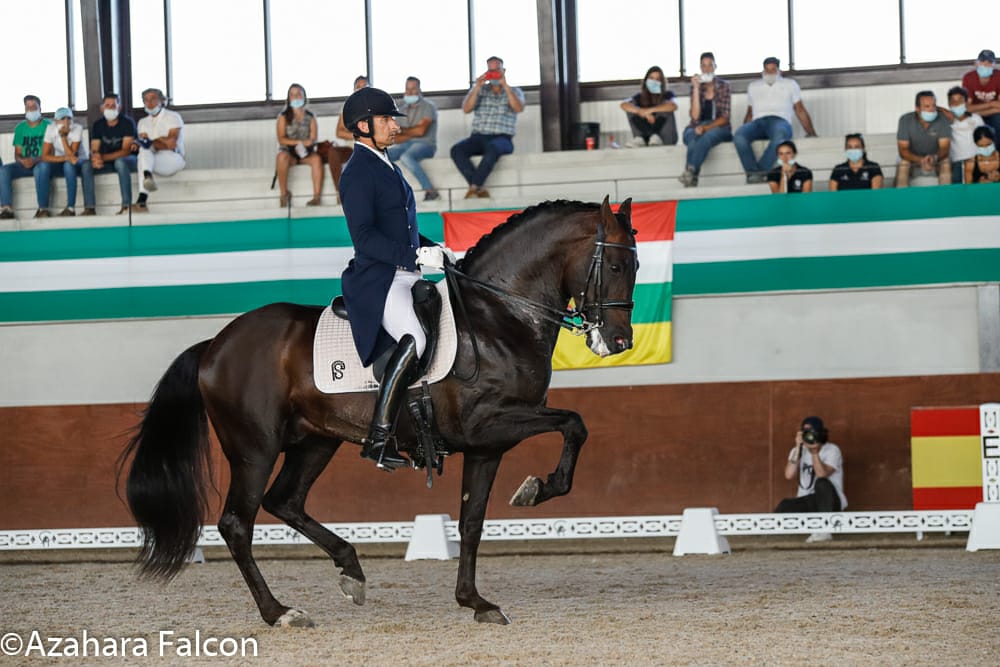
{"type": "Point", "coordinates": [689, 179]}
{"type": "Point", "coordinates": [43, 213]}
{"type": "Point", "coordinates": [7, 214]}
{"type": "Point", "coordinates": [140, 208]}
{"type": "Point", "coordinates": [148, 183]}
{"type": "Point", "coordinates": [89, 211]}
{"type": "Point", "coordinates": [472, 193]}
{"type": "Point", "coordinates": [67, 213]}
{"type": "Point", "coordinates": [483, 193]}
{"type": "Point", "coordinates": [122, 210]}
{"type": "Point", "coordinates": [655, 140]}
{"type": "Point", "coordinates": [819, 537]}
{"type": "Point", "coordinates": [431, 195]}
{"type": "Point", "coordinates": [637, 142]}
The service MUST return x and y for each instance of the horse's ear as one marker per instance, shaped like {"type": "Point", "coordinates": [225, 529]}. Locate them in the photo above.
{"type": "Point", "coordinates": [625, 210]}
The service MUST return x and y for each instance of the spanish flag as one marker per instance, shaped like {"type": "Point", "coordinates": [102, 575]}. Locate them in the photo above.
{"type": "Point", "coordinates": [945, 448]}
{"type": "Point", "coordinates": [654, 222]}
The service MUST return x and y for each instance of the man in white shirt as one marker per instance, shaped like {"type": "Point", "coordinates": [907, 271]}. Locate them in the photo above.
{"type": "Point", "coordinates": [819, 466]}
{"type": "Point", "coordinates": [160, 142]}
{"type": "Point", "coordinates": [771, 102]}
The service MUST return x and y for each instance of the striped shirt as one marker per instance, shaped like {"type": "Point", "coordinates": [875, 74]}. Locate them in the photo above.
{"type": "Point", "coordinates": [493, 114]}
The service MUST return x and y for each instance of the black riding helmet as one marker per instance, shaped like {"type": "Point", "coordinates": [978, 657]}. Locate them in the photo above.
{"type": "Point", "coordinates": [365, 104]}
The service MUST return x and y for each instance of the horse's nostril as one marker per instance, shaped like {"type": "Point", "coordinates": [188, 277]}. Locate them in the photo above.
{"type": "Point", "coordinates": [623, 343]}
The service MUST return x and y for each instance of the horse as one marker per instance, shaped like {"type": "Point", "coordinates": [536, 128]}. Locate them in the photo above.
{"type": "Point", "coordinates": [254, 381]}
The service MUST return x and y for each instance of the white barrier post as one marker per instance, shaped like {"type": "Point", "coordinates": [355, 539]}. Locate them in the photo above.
{"type": "Point", "coordinates": [430, 539]}
{"type": "Point", "coordinates": [698, 534]}
{"type": "Point", "coordinates": [985, 531]}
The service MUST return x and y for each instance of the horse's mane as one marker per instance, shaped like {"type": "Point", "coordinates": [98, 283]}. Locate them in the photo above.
{"type": "Point", "coordinates": [501, 231]}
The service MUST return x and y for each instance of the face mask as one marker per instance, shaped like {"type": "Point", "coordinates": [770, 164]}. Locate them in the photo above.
{"type": "Point", "coordinates": [297, 104]}
{"type": "Point", "coordinates": [33, 116]}
{"type": "Point", "coordinates": [855, 154]}
{"type": "Point", "coordinates": [959, 110]}
{"type": "Point", "coordinates": [928, 116]}
{"type": "Point", "coordinates": [789, 163]}
{"type": "Point", "coordinates": [706, 78]}
{"type": "Point", "coordinates": [654, 86]}
{"type": "Point", "coordinates": [152, 111]}
{"type": "Point", "coordinates": [986, 151]}
{"type": "Point", "coordinates": [769, 79]}
{"type": "Point", "coordinates": [411, 99]}
{"type": "Point", "coordinates": [110, 114]}
{"type": "Point", "coordinates": [984, 72]}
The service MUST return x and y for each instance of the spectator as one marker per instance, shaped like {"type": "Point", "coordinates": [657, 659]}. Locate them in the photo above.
{"type": "Point", "coordinates": [650, 112]}
{"type": "Point", "coordinates": [64, 145]}
{"type": "Point", "coordinates": [858, 173]}
{"type": "Point", "coordinates": [984, 167]}
{"type": "Point", "coordinates": [111, 141]}
{"type": "Point", "coordinates": [297, 133]}
{"type": "Point", "coordinates": [771, 102]}
{"type": "Point", "coordinates": [963, 124]}
{"type": "Point", "coordinates": [29, 135]}
{"type": "Point", "coordinates": [711, 101]}
{"type": "Point", "coordinates": [342, 132]}
{"type": "Point", "coordinates": [819, 465]}
{"type": "Point", "coordinates": [789, 176]}
{"type": "Point", "coordinates": [494, 104]}
{"type": "Point", "coordinates": [983, 84]}
{"type": "Point", "coordinates": [924, 140]}
{"type": "Point", "coordinates": [417, 136]}
{"type": "Point", "coordinates": [161, 144]}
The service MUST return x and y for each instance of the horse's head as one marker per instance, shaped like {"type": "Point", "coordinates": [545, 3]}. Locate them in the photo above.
{"type": "Point", "coordinates": [605, 299]}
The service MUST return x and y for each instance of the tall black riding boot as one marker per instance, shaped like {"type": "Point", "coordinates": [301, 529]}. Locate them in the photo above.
{"type": "Point", "coordinates": [397, 376]}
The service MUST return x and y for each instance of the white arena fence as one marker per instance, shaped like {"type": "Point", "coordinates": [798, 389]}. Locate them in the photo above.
{"type": "Point", "coordinates": [915, 521]}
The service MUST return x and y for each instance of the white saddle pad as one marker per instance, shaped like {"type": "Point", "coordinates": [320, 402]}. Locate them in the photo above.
{"type": "Point", "coordinates": [337, 368]}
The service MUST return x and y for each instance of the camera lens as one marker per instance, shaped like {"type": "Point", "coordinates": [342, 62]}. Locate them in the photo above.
{"type": "Point", "coordinates": [808, 436]}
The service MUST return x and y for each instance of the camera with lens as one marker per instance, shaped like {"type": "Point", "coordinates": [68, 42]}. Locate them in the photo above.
{"type": "Point", "coordinates": [809, 437]}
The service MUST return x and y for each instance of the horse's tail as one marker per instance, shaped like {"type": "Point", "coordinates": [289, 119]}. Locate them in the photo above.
{"type": "Point", "coordinates": [167, 485]}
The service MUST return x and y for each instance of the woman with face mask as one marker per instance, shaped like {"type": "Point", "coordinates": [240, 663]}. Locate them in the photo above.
{"type": "Point", "coordinates": [858, 172]}
{"type": "Point", "coordinates": [963, 124]}
{"type": "Point", "coordinates": [788, 175]}
{"type": "Point", "coordinates": [650, 112]}
{"type": "Point", "coordinates": [297, 133]}
{"type": "Point", "coordinates": [985, 166]}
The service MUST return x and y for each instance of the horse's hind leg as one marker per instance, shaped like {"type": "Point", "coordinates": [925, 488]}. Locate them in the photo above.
{"type": "Point", "coordinates": [286, 499]}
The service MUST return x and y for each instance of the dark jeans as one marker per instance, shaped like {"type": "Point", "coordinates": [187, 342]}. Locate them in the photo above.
{"type": "Point", "coordinates": [663, 124]}
{"type": "Point", "coordinates": [823, 499]}
{"type": "Point", "coordinates": [490, 146]}
{"type": "Point", "coordinates": [124, 167]}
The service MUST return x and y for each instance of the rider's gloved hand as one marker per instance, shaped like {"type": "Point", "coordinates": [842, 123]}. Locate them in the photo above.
{"type": "Point", "coordinates": [431, 257]}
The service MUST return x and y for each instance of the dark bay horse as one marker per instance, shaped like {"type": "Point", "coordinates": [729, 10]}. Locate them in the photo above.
{"type": "Point", "coordinates": [254, 381]}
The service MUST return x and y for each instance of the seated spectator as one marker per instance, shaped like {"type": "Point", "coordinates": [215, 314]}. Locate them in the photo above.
{"type": "Point", "coordinates": [494, 105]}
{"type": "Point", "coordinates": [650, 112]}
{"type": "Point", "coordinates": [64, 145]}
{"type": "Point", "coordinates": [983, 84]}
{"type": "Point", "coordinates": [963, 124]}
{"type": "Point", "coordinates": [297, 133]}
{"type": "Point", "coordinates": [111, 141]}
{"type": "Point", "coordinates": [417, 136]}
{"type": "Point", "coordinates": [924, 140]}
{"type": "Point", "coordinates": [819, 466]}
{"type": "Point", "coordinates": [984, 167]}
{"type": "Point", "coordinates": [161, 144]}
{"type": "Point", "coordinates": [771, 102]}
{"type": "Point", "coordinates": [711, 100]}
{"type": "Point", "coordinates": [29, 135]}
{"type": "Point", "coordinates": [858, 173]}
{"type": "Point", "coordinates": [344, 136]}
{"type": "Point", "coordinates": [789, 176]}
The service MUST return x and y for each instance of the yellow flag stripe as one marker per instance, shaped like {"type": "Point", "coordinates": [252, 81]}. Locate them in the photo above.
{"type": "Point", "coordinates": [946, 461]}
{"type": "Point", "coordinates": [651, 344]}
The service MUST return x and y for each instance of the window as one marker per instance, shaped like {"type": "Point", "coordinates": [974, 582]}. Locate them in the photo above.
{"type": "Point", "coordinates": [623, 41]}
{"type": "Point", "coordinates": [740, 34]}
{"type": "Point", "coordinates": [319, 44]}
{"type": "Point", "coordinates": [932, 35]}
{"type": "Point", "coordinates": [34, 55]}
{"type": "Point", "coordinates": [149, 61]}
{"type": "Point", "coordinates": [508, 30]}
{"type": "Point", "coordinates": [436, 53]}
{"type": "Point", "coordinates": [79, 66]}
{"type": "Point", "coordinates": [851, 33]}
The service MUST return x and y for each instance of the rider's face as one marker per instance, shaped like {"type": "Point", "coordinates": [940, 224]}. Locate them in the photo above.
{"type": "Point", "coordinates": [384, 129]}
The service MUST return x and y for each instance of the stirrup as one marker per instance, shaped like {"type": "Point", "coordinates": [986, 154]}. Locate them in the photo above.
{"type": "Point", "coordinates": [377, 448]}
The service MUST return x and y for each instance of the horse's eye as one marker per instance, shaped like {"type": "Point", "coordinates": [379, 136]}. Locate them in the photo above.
{"type": "Point", "coordinates": [616, 268]}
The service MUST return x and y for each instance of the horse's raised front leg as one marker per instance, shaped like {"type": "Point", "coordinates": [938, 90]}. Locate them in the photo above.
{"type": "Point", "coordinates": [533, 490]}
{"type": "Point", "coordinates": [478, 473]}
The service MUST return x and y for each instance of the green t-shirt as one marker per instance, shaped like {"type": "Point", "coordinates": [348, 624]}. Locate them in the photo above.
{"type": "Point", "coordinates": [30, 139]}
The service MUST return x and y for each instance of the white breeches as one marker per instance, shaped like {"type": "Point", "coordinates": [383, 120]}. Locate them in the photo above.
{"type": "Point", "coordinates": [161, 163]}
{"type": "Point", "coordinates": [398, 318]}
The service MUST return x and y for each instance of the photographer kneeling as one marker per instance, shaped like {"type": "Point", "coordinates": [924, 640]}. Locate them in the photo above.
{"type": "Point", "coordinates": [820, 467]}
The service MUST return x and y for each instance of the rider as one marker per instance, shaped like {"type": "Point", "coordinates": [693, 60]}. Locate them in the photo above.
{"type": "Point", "coordinates": [382, 219]}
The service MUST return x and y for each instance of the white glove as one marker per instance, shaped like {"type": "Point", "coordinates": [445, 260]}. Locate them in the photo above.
{"type": "Point", "coordinates": [430, 256]}
{"type": "Point", "coordinates": [452, 259]}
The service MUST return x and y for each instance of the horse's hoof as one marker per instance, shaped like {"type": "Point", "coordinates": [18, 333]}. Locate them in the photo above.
{"type": "Point", "coordinates": [352, 588]}
{"type": "Point", "coordinates": [492, 616]}
{"type": "Point", "coordinates": [294, 618]}
{"type": "Point", "coordinates": [528, 493]}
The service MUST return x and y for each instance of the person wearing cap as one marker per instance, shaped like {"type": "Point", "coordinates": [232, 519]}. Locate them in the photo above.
{"type": "Point", "coordinates": [494, 104]}
{"type": "Point", "coordinates": [64, 145]}
{"type": "Point", "coordinates": [983, 84]}
{"type": "Point", "coordinates": [29, 135]}
{"type": "Point", "coordinates": [819, 466]}
{"type": "Point", "coordinates": [160, 143]}
{"type": "Point", "coordinates": [111, 139]}
{"type": "Point", "coordinates": [923, 138]}
{"type": "Point", "coordinates": [388, 251]}
{"type": "Point", "coordinates": [771, 102]}
{"type": "Point", "coordinates": [417, 137]}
